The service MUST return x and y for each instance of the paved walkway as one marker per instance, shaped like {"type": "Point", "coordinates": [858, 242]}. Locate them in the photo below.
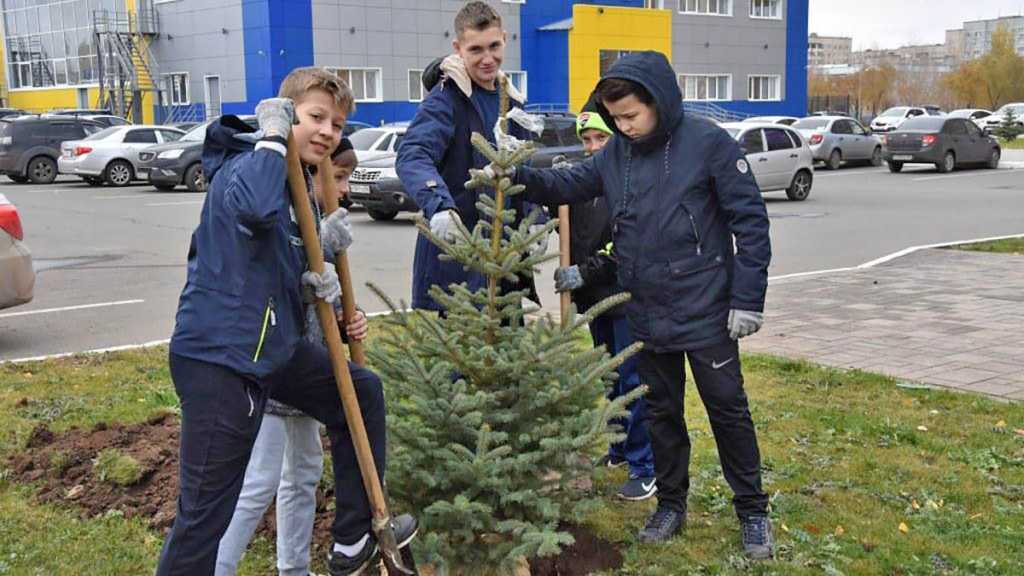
{"type": "Point", "coordinates": [940, 317]}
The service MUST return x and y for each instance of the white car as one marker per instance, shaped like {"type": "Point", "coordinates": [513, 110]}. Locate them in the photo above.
{"type": "Point", "coordinates": [990, 123]}
{"type": "Point", "coordinates": [892, 118]}
{"type": "Point", "coordinates": [777, 155]}
{"type": "Point", "coordinates": [784, 120]}
{"type": "Point", "coordinates": [372, 144]}
{"type": "Point", "coordinates": [976, 115]}
{"type": "Point", "coordinates": [112, 154]}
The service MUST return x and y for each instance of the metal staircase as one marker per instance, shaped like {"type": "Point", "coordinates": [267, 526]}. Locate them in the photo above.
{"type": "Point", "coordinates": [127, 67]}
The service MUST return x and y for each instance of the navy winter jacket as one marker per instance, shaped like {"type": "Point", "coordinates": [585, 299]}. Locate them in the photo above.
{"type": "Point", "coordinates": [433, 164]}
{"type": "Point", "coordinates": [677, 197]}
{"type": "Point", "coordinates": [242, 304]}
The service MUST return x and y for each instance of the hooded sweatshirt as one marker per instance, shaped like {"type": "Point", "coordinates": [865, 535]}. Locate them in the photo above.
{"type": "Point", "coordinates": [677, 198]}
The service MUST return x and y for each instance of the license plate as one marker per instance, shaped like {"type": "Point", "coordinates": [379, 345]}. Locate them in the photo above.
{"type": "Point", "coordinates": [903, 157]}
{"type": "Point", "coordinates": [359, 188]}
{"type": "Point", "coordinates": [142, 174]}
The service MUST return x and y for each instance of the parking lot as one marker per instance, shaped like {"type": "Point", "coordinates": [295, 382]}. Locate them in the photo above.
{"type": "Point", "coordinates": [111, 261]}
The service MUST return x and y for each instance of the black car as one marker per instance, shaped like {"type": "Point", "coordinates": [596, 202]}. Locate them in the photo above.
{"type": "Point", "coordinates": [30, 145]}
{"type": "Point", "coordinates": [179, 163]}
{"type": "Point", "coordinates": [375, 186]}
{"type": "Point", "coordinates": [6, 112]}
{"type": "Point", "coordinates": [946, 142]}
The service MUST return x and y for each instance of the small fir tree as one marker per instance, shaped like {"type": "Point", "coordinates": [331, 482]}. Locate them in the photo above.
{"type": "Point", "coordinates": [489, 415]}
{"type": "Point", "coordinates": [1010, 129]}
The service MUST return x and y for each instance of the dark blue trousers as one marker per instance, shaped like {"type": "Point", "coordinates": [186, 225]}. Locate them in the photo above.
{"type": "Point", "coordinates": [614, 334]}
{"type": "Point", "coordinates": [221, 412]}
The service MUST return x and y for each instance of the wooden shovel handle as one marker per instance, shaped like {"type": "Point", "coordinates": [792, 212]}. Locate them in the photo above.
{"type": "Point", "coordinates": [564, 256]}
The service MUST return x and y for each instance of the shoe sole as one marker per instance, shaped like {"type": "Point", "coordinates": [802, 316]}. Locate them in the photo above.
{"type": "Point", "coordinates": [638, 498]}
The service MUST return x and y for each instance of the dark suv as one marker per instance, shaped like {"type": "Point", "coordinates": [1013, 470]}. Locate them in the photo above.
{"type": "Point", "coordinates": [30, 145]}
{"type": "Point", "coordinates": [180, 162]}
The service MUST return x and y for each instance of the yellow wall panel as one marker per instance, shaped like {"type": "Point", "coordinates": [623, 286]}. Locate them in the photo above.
{"type": "Point", "coordinates": [47, 99]}
{"type": "Point", "coordinates": [596, 28]}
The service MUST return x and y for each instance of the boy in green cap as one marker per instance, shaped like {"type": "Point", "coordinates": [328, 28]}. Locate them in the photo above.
{"type": "Point", "coordinates": [592, 278]}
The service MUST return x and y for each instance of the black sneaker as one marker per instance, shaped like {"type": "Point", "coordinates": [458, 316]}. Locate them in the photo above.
{"type": "Point", "coordinates": [757, 537]}
{"type": "Point", "coordinates": [662, 525]}
{"type": "Point", "coordinates": [638, 488]}
{"type": "Point", "coordinates": [405, 527]}
{"type": "Point", "coordinates": [609, 461]}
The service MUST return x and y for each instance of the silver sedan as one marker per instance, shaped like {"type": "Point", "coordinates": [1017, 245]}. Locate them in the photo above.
{"type": "Point", "coordinates": [776, 155]}
{"type": "Point", "coordinates": [838, 139]}
{"type": "Point", "coordinates": [112, 155]}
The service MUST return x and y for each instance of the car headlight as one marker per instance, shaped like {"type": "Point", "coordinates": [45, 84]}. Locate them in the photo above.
{"type": "Point", "coordinates": [171, 154]}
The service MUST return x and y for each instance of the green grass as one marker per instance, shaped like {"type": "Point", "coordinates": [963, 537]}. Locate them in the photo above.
{"type": "Point", "coordinates": [1017, 144]}
{"type": "Point", "coordinates": [116, 468]}
{"type": "Point", "coordinates": [848, 458]}
{"type": "Point", "coordinates": [1006, 246]}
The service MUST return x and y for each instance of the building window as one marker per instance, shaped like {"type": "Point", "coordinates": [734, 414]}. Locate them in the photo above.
{"type": "Point", "coordinates": [415, 85]}
{"type": "Point", "coordinates": [177, 88]}
{"type": "Point", "coordinates": [365, 82]}
{"type": "Point", "coordinates": [51, 43]}
{"type": "Point", "coordinates": [518, 79]}
{"type": "Point", "coordinates": [514, 1]}
{"type": "Point", "coordinates": [706, 7]}
{"type": "Point", "coordinates": [769, 9]}
{"type": "Point", "coordinates": [609, 57]}
{"type": "Point", "coordinates": [763, 88]}
{"type": "Point", "coordinates": [706, 87]}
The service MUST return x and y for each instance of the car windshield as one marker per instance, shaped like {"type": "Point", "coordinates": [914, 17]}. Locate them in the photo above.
{"type": "Point", "coordinates": [898, 111]}
{"type": "Point", "coordinates": [924, 123]}
{"type": "Point", "coordinates": [364, 139]}
{"type": "Point", "coordinates": [811, 124]}
{"type": "Point", "coordinates": [1018, 110]}
{"type": "Point", "coordinates": [103, 133]}
{"type": "Point", "coordinates": [197, 134]}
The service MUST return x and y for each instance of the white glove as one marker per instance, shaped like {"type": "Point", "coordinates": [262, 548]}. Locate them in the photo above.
{"type": "Point", "coordinates": [335, 233]}
{"type": "Point", "coordinates": [445, 225]}
{"type": "Point", "coordinates": [491, 171]}
{"type": "Point", "coordinates": [276, 116]}
{"type": "Point", "coordinates": [743, 323]}
{"type": "Point", "coordinates": [325, 286]}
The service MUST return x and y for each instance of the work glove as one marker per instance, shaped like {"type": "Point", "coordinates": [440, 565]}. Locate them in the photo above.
{"type": "Point", "coordinates": [568, 279]}
{"type": "Point", "coordinates": [335, 233]}
{"type": "Point", "coordinates": [540, 246]}
{"type": "Point", "coordinates": [491, 170]}
{"type": "Point", "coordinates": [743, 323]}
{"type": "Point", "coordinates": [325, 285]}
{"type": "Point", "coordinates": [445, 225]}
{"type": "Point", "coordinates": [276, 116]}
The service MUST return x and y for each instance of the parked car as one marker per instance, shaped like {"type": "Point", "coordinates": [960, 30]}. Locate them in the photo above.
{"type": "Point", "coordinates": [81, 111]}
{"type": "Point", "coordinates": [892, 118]}
{"type": "Point", "coordinates": [990, 123]}
{"type": "Point", "coordinates": [105, 120]}
{"type": "Point", "coordinates": [112, 154]}
{"type": "Point", "coordinates": [784, 120]}
{"type": "Point", "coordinates": [976, 115]}
{"type": "Point", "coordinates": [946, 142]}
{"type": "Point", "coordinates": [777, 155]}
{"type": "Point", "coordinates": [30, 145]}
{"type": "Point", "coordinates": [179, 163]}
{"type": "Point", "coordinates": [837, 139]}
{"type": "Point", "coordinates": [186, 126]}
{"type": "Point", "coordinates": [5, 112]}
{"type": "Point", "coordinates": [353, 126]}
{"type": "Point", "coordinates": [375, 184]}
{"type": "Point", "coordinates": [17, 277]}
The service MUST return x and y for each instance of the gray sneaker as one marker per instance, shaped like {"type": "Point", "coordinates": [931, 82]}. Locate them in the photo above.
{"type": "Point", "coordinates": [757, 537]}
{"type": "Point", "coordinates": [638, 488]}
{"type": "Point", "coordinates": [662, 525]}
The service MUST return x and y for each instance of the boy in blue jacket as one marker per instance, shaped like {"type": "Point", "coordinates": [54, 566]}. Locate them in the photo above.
{"type": "Point", "coordinates": [681, 196]}
{"type": "Point", "coordinates": [238, 337]}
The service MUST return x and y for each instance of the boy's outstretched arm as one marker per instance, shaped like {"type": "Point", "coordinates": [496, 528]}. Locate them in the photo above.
{"type": "Point", "coordinates": [553, 186]}
{"type": "Point", "coordinates": [256, 183]}
{"type": "Point", "coordinates": [424, 147]}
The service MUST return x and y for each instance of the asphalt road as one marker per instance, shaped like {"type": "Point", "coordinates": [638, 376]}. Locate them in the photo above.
{"type": "Point", "coordinates": [111, 262]}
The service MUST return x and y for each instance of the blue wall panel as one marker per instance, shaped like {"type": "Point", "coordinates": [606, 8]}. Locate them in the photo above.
{"type": "Point", "coordinates": [797, 12]}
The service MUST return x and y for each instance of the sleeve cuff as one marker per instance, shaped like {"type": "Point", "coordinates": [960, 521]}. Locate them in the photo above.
{"type": "Point", "coordinates": [275, 143]}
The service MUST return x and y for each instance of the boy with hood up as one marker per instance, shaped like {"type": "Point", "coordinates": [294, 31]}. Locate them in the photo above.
{"type": "Point", "coordinates": [680, 192]}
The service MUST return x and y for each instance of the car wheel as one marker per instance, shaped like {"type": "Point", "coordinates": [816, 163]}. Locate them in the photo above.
{"type": "Point", "coordinates": [164, 187]}
{"type": "Point", "coordinates": [93, 181]}
{"type": "Point", "coordinates": [895, 167]}
{"type": "Point", "coordinates": [993, 160]}
{"type": "Point", "coordinates": [382, 216]}
{"type": "Point", "coordinates": [18, 179]}
{"type": "Point", "coordinates": [118, 173]}
{"type": "Point", "coordinates": [948, 163]}
{"type": "Point", "coordinates": [195, 180]}
{"type": "Point", "coordinates": [835, 160]}
{"type": "Point", "coordinates": [800, 188]}
{"type": "Point", "coordinates": [42, 170]}
{"type": "Point", "coordinates": [876, 157]}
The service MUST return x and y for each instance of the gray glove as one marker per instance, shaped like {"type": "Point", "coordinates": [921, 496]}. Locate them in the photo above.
{"type": "Point", "coordinates": [325, 286]}
{"type": "Point", "coordinates": [491, 170]}
{"type": "Point", "coordinates": [444, 225]}
{"type": "Point", "coordinates": [276, 116]}
{"type": "Point", "coordinates": [568, 278]}
{"type": "Point", "coordinates": [743, 323]}
{"type": "Point", "coordinates": [335, 233]}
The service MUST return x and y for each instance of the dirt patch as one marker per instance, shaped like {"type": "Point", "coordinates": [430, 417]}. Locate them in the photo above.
{"type": "Point", "coordinates": [62, 464]}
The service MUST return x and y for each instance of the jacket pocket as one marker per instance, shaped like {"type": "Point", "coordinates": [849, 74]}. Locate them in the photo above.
{"type": "Point", "coordinates": [697, 285]}
{"type": "Point", "coordinates": [267, 328]}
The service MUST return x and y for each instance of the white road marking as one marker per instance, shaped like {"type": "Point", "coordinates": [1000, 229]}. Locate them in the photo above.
{"type": "Point", "coordinates": [973, 174]}
{"type": "Point", "coordinates": [71, 308]}
{"type": "Point", "coordinates": [184, 203]}
{"type": "Point", "coordinates": [96, 351]}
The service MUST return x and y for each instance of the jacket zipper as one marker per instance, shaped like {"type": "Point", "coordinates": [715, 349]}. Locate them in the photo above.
{"type": "Point", "coordinates": [693, 225]}
{"type": "Point", "coordinates": [269, 320]}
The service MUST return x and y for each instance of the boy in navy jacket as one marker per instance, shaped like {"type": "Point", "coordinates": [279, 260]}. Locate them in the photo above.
{"type": "Point", "coordinates": [238, 337]}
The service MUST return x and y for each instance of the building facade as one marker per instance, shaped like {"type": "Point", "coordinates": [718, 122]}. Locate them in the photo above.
{"type": "Point", "coordinates": [977, 35]}
{"type": "Point", "coordinates": [191, 59]}
{"type": "Point", "coordinates": [829, 50]}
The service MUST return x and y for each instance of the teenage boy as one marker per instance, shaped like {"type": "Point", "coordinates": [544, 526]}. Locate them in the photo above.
{"type": "Point", "coordinates": [436, 155]}
{"type": "Point", "coordinates": [238, 333]}
{"type": "Point", "coordinates": [287, 459]}
{"type": "Point", "coordinates": [680, 194]}
{"type": "Point", "coordinates": [591, 278]}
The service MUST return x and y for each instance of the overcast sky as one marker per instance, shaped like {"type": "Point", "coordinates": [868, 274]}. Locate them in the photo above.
{"type": "Point", "coordinates": [894, 23]}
